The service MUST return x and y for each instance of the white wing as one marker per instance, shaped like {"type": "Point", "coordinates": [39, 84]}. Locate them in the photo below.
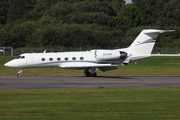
{"type": "Point", "coordinates": [84, 65]}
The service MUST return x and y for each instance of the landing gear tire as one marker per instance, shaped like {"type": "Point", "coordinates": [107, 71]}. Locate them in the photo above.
{"type": "Point", "coordinates": [88, 74]}
{"type": "Point", "coordinates": [18, 75]}
{"type": "Point", "coordinates": [94, 75]}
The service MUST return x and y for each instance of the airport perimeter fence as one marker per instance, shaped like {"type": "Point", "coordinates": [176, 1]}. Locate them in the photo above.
{"type": "Point", "coordinates": [9, 51]}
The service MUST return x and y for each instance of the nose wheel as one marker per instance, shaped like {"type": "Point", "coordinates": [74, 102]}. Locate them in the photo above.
{"type": "Point", "coordinates": [19, 73]}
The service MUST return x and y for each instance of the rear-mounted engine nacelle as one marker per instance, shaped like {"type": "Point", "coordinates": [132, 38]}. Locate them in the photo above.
{"type": "Point", "coordinates": [109, 55]}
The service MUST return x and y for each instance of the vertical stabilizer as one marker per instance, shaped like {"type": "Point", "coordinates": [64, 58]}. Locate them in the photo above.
{"type": "Point", "coordinates": [145, 41]}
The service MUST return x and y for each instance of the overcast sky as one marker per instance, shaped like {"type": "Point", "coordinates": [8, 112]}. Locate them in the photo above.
{"type": "Point", "coordinates": [128, 1]}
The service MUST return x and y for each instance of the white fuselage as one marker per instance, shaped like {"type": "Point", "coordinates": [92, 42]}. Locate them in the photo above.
{"type": "Point", "coordinates": [72, 60]}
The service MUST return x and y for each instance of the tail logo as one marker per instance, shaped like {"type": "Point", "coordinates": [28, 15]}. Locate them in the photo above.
{"type": "Point", "coordinates": [151, 40]}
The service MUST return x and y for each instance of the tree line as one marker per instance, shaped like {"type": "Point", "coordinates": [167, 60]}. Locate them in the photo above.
{"type": "Point", "coordinates": [106, 23]}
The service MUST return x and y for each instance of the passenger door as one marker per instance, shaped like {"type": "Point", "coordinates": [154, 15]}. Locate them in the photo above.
{"type": "Point", "coordinates": [29, 60]}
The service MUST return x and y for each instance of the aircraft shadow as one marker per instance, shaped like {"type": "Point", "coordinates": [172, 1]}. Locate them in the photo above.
{"type": "Point", "coordinates": [112, 77]}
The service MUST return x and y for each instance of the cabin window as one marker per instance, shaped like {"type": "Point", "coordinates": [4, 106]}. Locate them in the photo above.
{"type": "Point", "coordinates": [66, 58]}
{"type": "Point", "coordinates": [58, 59]}
{"type": "Point", "coordinates": [81, 58]}
{"type": "Point", "coordinates": [73, 58]}
{"type": "Point", "coordinates": [43, 59]}
{"type": "Point", "coordinates": [22, 57]}
{"type": "Point", "coordinates": [50, 59]}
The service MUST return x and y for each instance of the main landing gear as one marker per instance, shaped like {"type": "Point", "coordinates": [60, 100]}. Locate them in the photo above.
{"type": "Point", "coordinates": [19, 73]}
{"type": "Point", "coordinates": [90, 74]}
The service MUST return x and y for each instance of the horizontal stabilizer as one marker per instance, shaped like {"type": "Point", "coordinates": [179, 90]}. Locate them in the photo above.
{"type": "Point", "coordinates": [157, 31]}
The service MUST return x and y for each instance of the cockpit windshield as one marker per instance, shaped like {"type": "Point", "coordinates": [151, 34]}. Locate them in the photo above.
{"type": "Point", "coordinates": [20, 57]}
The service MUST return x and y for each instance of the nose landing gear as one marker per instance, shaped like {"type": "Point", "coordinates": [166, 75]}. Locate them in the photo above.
{"type": "Point", "coordinates": [19, 73]}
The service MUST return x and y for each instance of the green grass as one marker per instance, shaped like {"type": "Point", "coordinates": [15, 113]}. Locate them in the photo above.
{"type": "Point", "coordinates": [93, 103]}
{"type": "Point", "coordinates": [149, 66]}
{"type": "Point", "coordinates": [151, 103]}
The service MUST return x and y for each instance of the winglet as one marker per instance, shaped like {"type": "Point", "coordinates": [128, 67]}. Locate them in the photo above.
{"type": "Point", "coordinates": [44, 51]}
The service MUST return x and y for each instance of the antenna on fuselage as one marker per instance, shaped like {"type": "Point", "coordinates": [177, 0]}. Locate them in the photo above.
{"type": "Point", "coordinates": [44, 51]}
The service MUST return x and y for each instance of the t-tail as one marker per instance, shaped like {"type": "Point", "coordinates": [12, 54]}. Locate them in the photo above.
{"type": "Point", "coordinates": [145, 41]}
{"type": "Point", "coordinates": [143, 45]}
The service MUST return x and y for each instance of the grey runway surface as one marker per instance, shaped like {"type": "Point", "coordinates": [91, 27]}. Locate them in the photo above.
{"type": "Point", "coordinates": [45, 82]}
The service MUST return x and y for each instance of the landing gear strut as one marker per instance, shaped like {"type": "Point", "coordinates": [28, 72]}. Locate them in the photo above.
{"type": "Point", "coordinates": [90, 74]}
{"type": "Point", "coordinates": [19, 73]}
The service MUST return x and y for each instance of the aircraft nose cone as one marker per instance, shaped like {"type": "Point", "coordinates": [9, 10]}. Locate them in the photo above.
{"type": "Point", "coordinates": [8, 64]}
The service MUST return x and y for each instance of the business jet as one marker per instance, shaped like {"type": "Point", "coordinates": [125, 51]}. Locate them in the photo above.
{"type": "Point", "coordinates": [93, 60]}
